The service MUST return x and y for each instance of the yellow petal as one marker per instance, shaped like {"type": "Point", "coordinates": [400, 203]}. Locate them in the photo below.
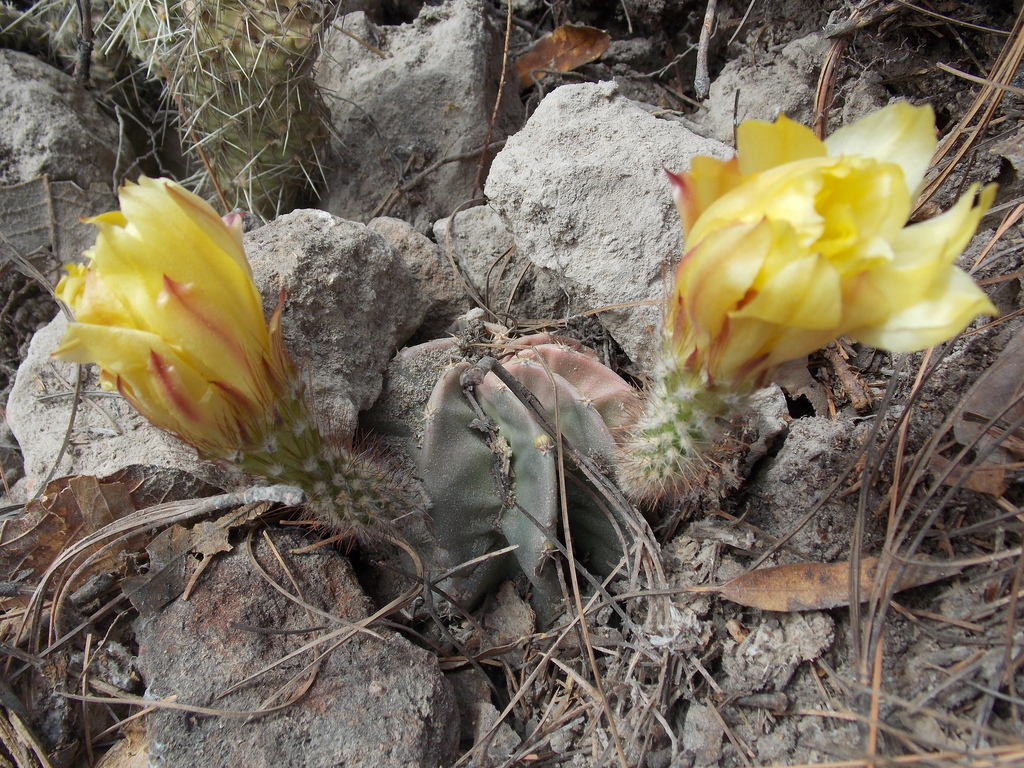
{"type": "Point", "coordinates": [863, 204]}
{"type": "Point", "coordinates": [707, 180]}
{"type": "Point", "coordinates": [216, 348]}
{"type": "Point", "coordinates": [805, 293]}
{"type": "Point", "coordinates": [762, 145]}
{"type": "Point", "coordinates": [715, 276]}
{"type": "Point", "coordinates": [741, 349]}
{"type": "Point", "coordinates": [111, 218]}
{"type": "Point", "coordinates": [133, 260]}
{"type": "Point", "coordinates": [809, 242]}
{"type": "Point", "coordinates": [69, 289]}
{"type": "Point", "coordinates": [934, 319]}
{"type": "Point", "coordinates": [924, 251]}
{"type": "Point", "coordinates": [172, 395]}
{"type": "Point", "coordinates": [169, 207]}
{"type": "Point", "coordinates": [786, 193]}
{"type": "Point", "coordinates": [180, 235]}
{"type": "Point", "coordinates": [167, 308]}
{"type": "Point", "coordinates": [899, 134]}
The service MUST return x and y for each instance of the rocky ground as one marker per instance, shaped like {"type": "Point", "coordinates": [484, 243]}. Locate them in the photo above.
{"type": "Point", "coordinates": [548, 208]}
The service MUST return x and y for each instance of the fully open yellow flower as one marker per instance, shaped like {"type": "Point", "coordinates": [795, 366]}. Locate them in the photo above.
{"type": "Point", "coordinates": [795, 242]}
{"type": "Point", "coordinates": [167, 307]}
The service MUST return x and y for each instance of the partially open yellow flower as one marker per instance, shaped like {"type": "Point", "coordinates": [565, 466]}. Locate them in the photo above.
{"type": "Point", "coordinates": [167, 307]}
{"type": "Point", "coordinates": [795, 242]}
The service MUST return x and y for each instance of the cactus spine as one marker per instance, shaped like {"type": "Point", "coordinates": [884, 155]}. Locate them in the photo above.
{"type": "Point", "coordinates": [239, 71]}
{"type": "Point", "coordinates": [244, 81]}
{"type": "Point", "coordinates": [348, 491]}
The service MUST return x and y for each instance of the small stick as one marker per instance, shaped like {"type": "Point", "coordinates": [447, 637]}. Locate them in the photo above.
{"type": "Point", "coordinates": [83, 64]}
{"type": "Point", "coordinates": [702, 80]}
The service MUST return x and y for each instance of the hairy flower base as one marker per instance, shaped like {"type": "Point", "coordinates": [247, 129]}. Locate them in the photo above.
{"type": "Point", "coordinates": [665, 453]}
{"type": "Point", "coordinates": [351, 493]}
{"type": "Point", "coordinates": [359, 495]}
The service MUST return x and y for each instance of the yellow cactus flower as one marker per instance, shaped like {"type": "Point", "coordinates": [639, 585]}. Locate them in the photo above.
{"type": "Point", "coordinates": [789, 245]}
{"type": "Point", "coordinates": [795, 242]}
{"type": "Point", "coordinates": [167, 307]}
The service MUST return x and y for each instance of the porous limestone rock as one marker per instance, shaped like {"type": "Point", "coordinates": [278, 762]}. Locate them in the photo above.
{"type": "Point", "coordinates": [513, 288]}
{"type": "Point", "coordinates": [377, 700]}
{"type": "Point", "coordinates": [50, 124]}
{"type": "Point", "coordinates": [760, 89]}
{"type": "Point", "coordinates": [350, 303]}
{"type": "Point", "coordinates": [434, 274]}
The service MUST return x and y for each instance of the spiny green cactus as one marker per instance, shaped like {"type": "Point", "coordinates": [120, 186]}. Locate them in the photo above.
{"type": "Point", "coordinates": [243, 78]}
{"type": "Point", "coordinates": [240, 71]}
{"type": "Point", "coordinates": [492, 473]}
{"type": "Point", "coordinates": [351, 492]}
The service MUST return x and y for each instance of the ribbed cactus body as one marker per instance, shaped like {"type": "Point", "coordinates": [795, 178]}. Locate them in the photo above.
{"type": "Point", "coordinates": [493, 476]}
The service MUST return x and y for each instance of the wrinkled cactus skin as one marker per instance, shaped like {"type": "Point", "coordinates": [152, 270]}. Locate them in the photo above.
{"type": "Point", "coordinates": [493, 478]}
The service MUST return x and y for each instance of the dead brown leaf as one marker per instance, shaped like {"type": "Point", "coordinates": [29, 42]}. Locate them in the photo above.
{"type": "Point", "coordinates": [42, 216]}
{"type": "Point", "coordinates": [987, 478]}
{"type": "Point", "coordinates": [1001, 385]}
{"type": "Point", "coordinates": [170, 566]}
{"type": "Point", "coordinates": [564, 49]}
{"type": "Point", "coordinates": [814, 586]}
{"type": "Point", "coordinates": [69, 510]}
{"type": "Point", "coordinates": [210, 538]}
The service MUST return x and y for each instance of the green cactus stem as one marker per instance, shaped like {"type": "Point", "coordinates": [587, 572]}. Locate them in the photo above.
{"type": "Point", "coordinates": [244, 82]}
{"type": "Point", "coordinates": [348, 491]}
{"type": "Point", "coordinates": [489, 460]}
{"type": "Point", "coordinates": [239, 71]}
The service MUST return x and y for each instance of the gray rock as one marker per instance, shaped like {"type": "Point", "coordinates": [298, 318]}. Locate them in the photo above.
{"type": "Point", "coordinates": [377, 700]}
{"type": "Point", "coordinates": [108, 434]}
{"type": "Point", "coordinates": [350, 303]}
{"type": "Point", "coordinates": [408, 382]}
{"type": "Point", "coordinates": [427, 95]}
{"type": "Point", "coordinates": [702, 735]}
{"type": "Point", "coordinates": [788, 485]}
{"type": "Point", "coordinates": [583, 191]}
{"type": "Point", "coordinates": [49, 124]}
{"type": "Point", "coordinates": [772, 651]}
{"type": "Point", "coordinates": [479, 717]}
{"type": "Point", "coordinates": [505, 280]}
{"type": "Point", "coordinates": [767, 86]}
{"type": "Point", "coordinates": [431, 269]}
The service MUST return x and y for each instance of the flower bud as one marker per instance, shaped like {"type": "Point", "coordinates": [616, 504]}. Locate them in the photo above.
{"type": "Point", "coordinates": [168, 309]}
